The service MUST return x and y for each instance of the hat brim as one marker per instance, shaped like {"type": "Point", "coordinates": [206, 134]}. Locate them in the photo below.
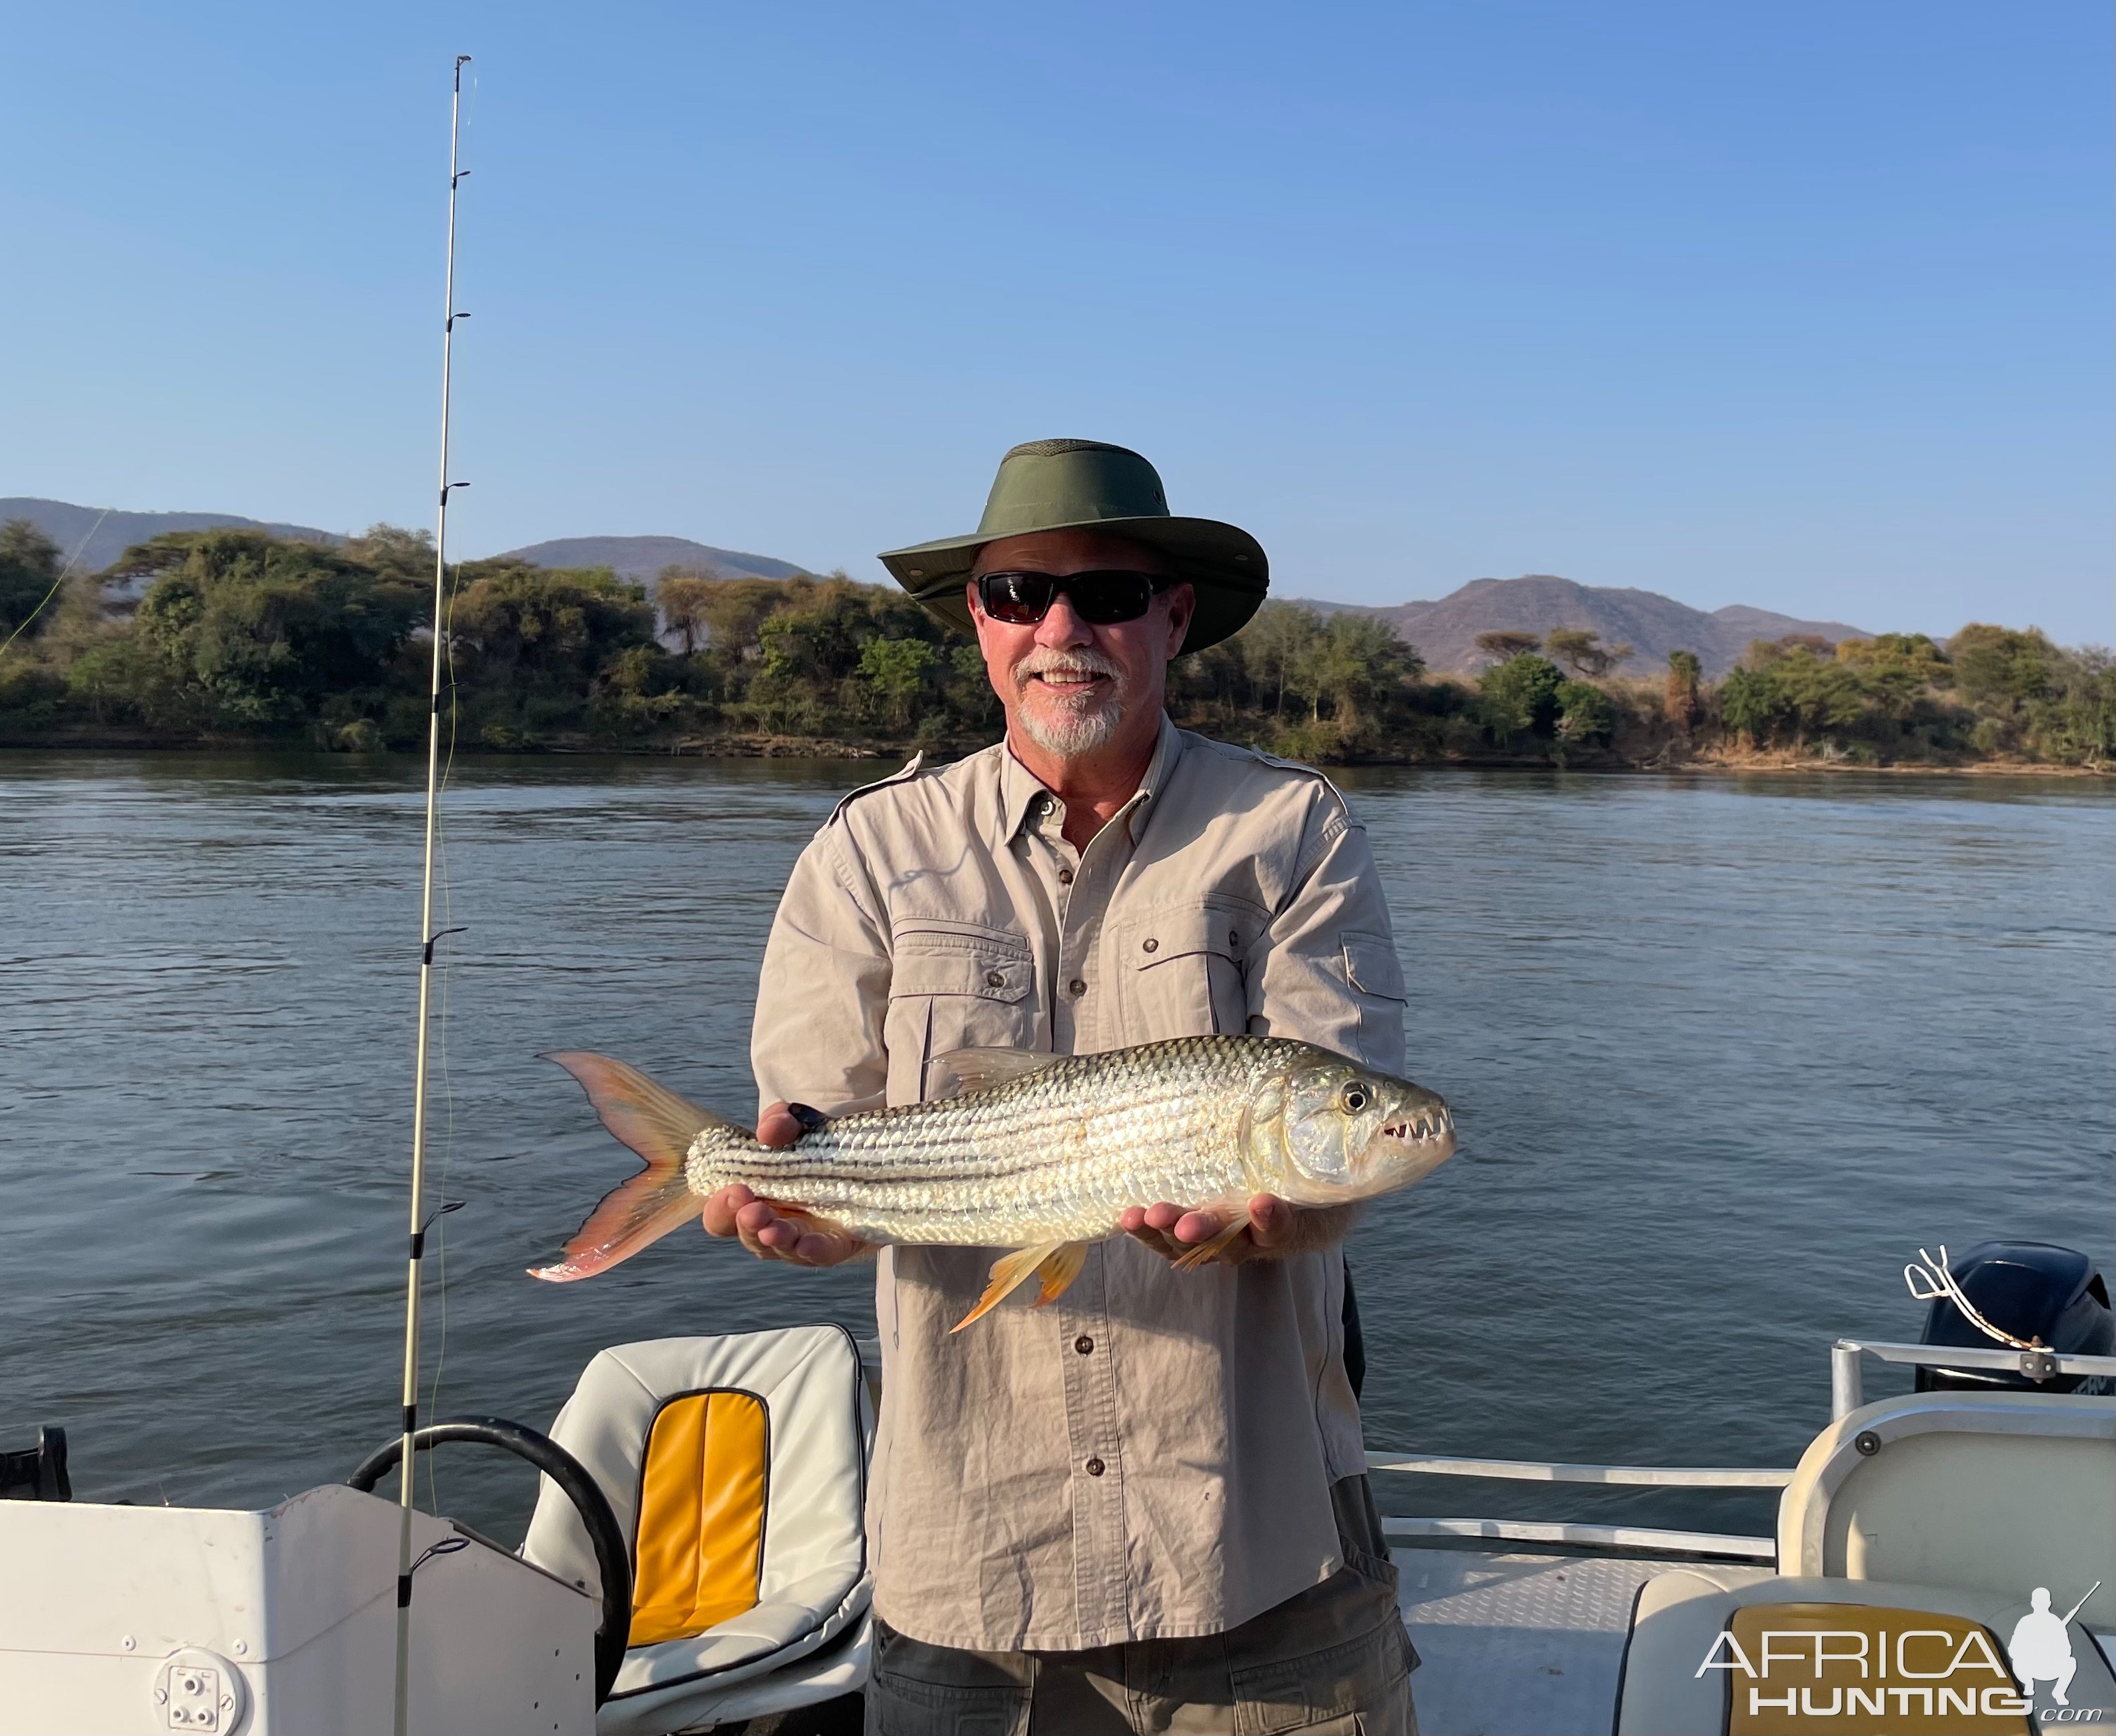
{"type": "Point", "coordinates": [1222, 563]}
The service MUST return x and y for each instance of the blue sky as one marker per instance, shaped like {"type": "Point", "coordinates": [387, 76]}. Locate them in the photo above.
{"type": "Point", "coordinates": [1806, 306]}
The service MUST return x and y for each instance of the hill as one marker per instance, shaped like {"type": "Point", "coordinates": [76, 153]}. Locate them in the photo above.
{"type": "Point", "coordinates": [642, 558]}
{"type": "Point", "coordinates": [1446, 630]}
{"type": "Point", "coordinates": [67, 524]}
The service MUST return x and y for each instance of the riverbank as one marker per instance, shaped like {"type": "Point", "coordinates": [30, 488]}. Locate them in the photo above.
{"type": "Point", "coordinates": [238, 638]}
{"type": "Point", "coordinates": [768, 746]}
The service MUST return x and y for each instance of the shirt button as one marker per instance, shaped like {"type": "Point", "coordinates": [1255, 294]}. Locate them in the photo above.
{"type": "Point", "coordinates": [1065, 876]}
{"type": "Point", "coordinates": [993, 979]}
{"type": "Point", "coordinates": [1153, 946]}
{"type": "Point", "coordinates": [1084, 1344]}
{"type": "Point", "coordinates": [1096, 1467]}
{"type": "Point", "coordinates": [1076, 987]}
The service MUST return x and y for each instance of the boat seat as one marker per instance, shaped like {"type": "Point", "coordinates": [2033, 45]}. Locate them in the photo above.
{"type": "Point", "coordinates": [737, 1468]}
{"type": "Point", "coordinates": [1958, 1505]}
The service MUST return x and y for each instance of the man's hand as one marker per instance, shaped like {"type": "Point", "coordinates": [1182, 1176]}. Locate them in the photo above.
{"type": "Point", "coordinates": [1171, 1232]}
{"type": "Point", "coordinates": [737, 1211]}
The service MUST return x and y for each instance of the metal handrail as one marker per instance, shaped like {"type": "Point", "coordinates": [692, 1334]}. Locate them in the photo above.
{"type": "Point", "coordinates": [1640, 1539]}
{"type": "Point", "coordinates": [1846, 1380]}
{"type": "Point", "coordinates": [1545, 1470]}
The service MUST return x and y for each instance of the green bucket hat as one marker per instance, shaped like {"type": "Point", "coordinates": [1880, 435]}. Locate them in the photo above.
{"type": "Point", "coordinates": [1089, 485]}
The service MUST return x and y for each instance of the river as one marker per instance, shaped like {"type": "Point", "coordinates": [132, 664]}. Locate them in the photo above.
{"type": "Point", "coordinates": [1724, 1053]}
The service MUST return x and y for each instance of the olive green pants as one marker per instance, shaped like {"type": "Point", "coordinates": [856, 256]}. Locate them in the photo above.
{"type": "Point", "coordinates": [1334, 1660]}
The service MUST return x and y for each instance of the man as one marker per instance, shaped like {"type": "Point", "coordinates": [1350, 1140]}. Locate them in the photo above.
{"type": "Point", "coordinates": [1145, 1506]}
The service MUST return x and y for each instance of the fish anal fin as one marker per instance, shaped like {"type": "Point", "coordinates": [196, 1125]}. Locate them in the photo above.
{"type": "Point", "coordinates": [1010, 1272]}
{"type": "Point", "coordinates": [1206, 1252]}
{"type": "Point", "coordinates": [981, 1069]}
{"type": "Point", "coordinates": [1058, 1271]}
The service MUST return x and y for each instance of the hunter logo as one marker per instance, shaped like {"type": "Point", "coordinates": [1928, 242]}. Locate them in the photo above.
{"type": "Point", "coordinates": [1858, 1670]}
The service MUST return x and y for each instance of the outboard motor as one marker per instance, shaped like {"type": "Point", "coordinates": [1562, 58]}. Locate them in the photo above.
{"type": "Point", "coordinates": [37, 1473]}
{"type": "Point", "coordinates": [2034, 1290]}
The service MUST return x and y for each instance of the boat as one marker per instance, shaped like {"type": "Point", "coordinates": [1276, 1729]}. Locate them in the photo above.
{"type": "Point", "coordinates": [697, 1561]}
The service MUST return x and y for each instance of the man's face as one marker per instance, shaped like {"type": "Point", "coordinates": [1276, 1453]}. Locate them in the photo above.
{"type": "Point", "coordinates": [1068, 685]}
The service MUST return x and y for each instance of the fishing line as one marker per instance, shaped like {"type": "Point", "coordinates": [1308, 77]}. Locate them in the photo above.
{"type": "Point", "coordinates": [63, 571]}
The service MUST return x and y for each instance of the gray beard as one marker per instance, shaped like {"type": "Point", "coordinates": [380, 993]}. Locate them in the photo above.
{"type": "Point", "coordinates": [1073, 733]}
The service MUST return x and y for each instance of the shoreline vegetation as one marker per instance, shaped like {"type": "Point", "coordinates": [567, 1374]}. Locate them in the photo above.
{"type": "Point", "coordinates": [238, 638]}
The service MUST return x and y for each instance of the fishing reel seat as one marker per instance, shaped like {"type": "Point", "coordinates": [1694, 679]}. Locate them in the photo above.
{"type": "Point", "coordinates": [1955, 1504]}
{"type": "Point", "coordinates": [737, 1468]}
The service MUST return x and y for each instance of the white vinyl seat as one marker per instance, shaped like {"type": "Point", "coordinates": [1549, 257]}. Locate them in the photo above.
{"type": "Point", "coordinates": [737, 1469]}
{"type": "Point", "coordinates": [1958, 1505]}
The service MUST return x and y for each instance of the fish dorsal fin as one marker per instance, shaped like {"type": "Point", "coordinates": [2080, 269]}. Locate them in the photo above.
{"type": "Point", "coordinates": [979, 1070]}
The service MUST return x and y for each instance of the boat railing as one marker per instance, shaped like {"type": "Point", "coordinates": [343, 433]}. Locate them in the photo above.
{"type": "Point", "coordinates": [1621, 1540]}
{"type": "Point", "coordinates": [1847, 1392]}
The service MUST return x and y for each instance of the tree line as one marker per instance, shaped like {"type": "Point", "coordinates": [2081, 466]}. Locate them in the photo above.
{"type": "Point", "coordinates": [235, 635]}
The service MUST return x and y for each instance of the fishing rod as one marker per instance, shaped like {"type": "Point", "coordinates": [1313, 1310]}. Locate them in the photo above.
{"type": "Point", "coordinates": [426, 939]}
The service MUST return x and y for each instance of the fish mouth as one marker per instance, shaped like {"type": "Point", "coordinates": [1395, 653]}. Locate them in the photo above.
{"type": "Point", "coordinates": [1422, 1125]}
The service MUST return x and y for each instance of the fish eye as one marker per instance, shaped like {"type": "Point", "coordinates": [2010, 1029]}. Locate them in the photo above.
{"type": "Point", "coordinates": [1352, 1099]}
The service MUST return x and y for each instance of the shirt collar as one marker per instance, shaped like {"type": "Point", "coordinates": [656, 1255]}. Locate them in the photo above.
{"type": "Point", "coordinates": [1021, 790]}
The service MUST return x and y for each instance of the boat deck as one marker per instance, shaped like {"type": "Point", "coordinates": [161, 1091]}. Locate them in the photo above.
{"type": "Point", "coordinates": [1515, 1643]}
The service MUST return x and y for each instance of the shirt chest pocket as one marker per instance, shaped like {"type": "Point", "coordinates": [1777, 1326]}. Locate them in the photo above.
{"type": "Point", "coordinates": [1188, 970]}
{"type": "Point", "coordinates": [953, 988]}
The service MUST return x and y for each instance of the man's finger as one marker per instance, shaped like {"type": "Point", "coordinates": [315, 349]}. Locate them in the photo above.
{"type": "Point", "coordinates": [1270, 1220]}
{"type": "Point", "coordinates": [778, 1126]}
{"type": "Point", "coordinates": [1155, 1240]}
{"type": "Point", "coordinates": [1193, 1228]}
{"type": "Point", "coordinates": [720, 1208]}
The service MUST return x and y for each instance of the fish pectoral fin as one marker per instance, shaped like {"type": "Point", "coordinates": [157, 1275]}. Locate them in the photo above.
{"type": "Point", "coordinates": [980, 1069]}
{"type": "Point", "coordinates": [1010, 1272]}
{"type": "Point", "coordinates": [1206, 1252]}
{"type": "Point", "coordinates": [1058, 1270]}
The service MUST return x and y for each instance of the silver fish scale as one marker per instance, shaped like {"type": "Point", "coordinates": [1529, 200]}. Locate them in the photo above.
{"type": "Point", "coordinates": [1053, 1156]}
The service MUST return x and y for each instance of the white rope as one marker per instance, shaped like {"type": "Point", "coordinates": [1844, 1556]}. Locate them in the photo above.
{"type": "Point", "coordinates": [1940, 1282]}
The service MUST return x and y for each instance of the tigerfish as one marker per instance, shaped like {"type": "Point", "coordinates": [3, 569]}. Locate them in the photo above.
{"type": "Point", "coordinates": [1040, 1153]}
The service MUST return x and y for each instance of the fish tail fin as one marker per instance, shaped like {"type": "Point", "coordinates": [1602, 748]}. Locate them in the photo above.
{"type": "Point", "coordinates": [1058, 1263]}
{"type": "Point", "coordinates": [659, 1125]}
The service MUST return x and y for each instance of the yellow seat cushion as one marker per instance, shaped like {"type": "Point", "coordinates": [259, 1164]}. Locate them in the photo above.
{"type": "Point", "coordinates": [700, 1543]}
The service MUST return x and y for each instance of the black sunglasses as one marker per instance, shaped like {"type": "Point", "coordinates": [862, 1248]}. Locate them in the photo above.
{"type": "Point", "coordinates": [1101, 598]}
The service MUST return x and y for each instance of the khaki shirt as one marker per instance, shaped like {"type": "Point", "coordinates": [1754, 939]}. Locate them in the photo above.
{"type": "Point", "coordinates": [1150, 1456]}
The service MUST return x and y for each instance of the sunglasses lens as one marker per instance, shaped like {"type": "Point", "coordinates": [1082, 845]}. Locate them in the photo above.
{"type": "Point", "coordinates": [1020, 599]}
{"type": "Point", "coordinates": [1106, 598]}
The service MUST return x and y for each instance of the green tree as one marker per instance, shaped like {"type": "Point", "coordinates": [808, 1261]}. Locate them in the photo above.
{"type": "Point", "coordinates": [1274, 646]}
{"type": "Point", "coordinates": [545, 627]}
{"type": "Point", "coordinates": [263, 630]}
{"type": "Point", "coordinates": [1584, 714]}
{"type": "Point", "coordinates": [1749, 704]}
{"type": "Point", "coordinates": [1519, 699]}
{"type": "Point", "coordinates": [29, 574]}
{"type": "Point", "coordinates": [1581, 649]}
{"type": "Point", "coordinates": [900, 671]}
{"type": "Point", "coordinates": [1997, 665]}
{"type": "Point", "coordinates": [1351, 662]}
{"type": "Point", "coordinates": [1503, 646]}
{"type": "Point", "coordinates": [686, 601]}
